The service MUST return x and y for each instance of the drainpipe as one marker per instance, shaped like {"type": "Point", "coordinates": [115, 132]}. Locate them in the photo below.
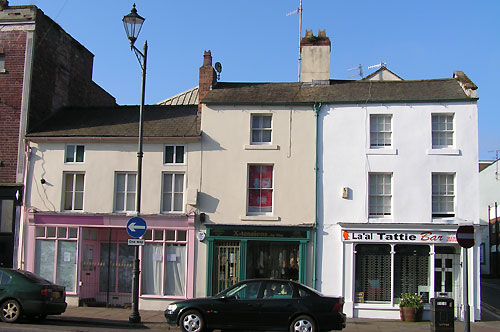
{"type": "Point", "coordinates": [22, 218]}
{"type": "Point", "coordinates": [316, 109]}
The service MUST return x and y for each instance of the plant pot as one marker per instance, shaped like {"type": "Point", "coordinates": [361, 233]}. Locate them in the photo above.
{"type": "Point", "coordinates": [410, 314]}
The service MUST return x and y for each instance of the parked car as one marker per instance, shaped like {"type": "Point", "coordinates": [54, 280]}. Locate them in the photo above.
{"type": "Point", "coordinates": [260, 304]}
{"type": "Point", "coordinates": [23, 293]}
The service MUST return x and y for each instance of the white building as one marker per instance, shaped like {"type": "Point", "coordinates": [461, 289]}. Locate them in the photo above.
{"type": "Point", "coordinates": [397, 175]}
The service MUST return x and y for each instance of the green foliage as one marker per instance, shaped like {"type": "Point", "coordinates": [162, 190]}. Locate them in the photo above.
{"type": "Point", "coordinates": [411, 301]}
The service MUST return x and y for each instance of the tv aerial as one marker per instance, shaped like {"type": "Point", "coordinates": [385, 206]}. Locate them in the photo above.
{"type": "Point", "coordinates": [360, 68]}
{"type": "Point", "coordinates": [218, 69]}
{"type": "Point", "coordinates": [378, 65]}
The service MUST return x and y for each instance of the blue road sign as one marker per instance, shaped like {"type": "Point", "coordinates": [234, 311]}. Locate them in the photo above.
{"type": "Point", "coordinates": [136, 227]}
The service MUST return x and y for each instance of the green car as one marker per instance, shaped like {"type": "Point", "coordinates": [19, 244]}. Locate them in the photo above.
{"type": "Point", "coordinates": [23, 293]}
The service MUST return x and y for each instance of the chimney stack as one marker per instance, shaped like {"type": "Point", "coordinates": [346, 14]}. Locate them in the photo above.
{"type": "Point", "coordinates": [208, 78]}
{"type": "Point", "coordinates": [315, 57]}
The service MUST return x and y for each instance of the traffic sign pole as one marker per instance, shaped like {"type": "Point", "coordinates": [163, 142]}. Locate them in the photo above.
{"type": "Point", "coordinates": [466, 239]}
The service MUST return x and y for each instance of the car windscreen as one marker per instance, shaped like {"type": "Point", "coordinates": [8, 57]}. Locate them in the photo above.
{"type": "Point", "coordinates": [33, 277]}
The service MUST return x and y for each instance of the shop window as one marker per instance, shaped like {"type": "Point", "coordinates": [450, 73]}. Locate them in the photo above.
{"type": "Point", "coordinates": [174, 154]}
{"type": "Point", "coordinates": [55, 257]}
{"type": "Point", "coordinates": [125, 191]}
{"type": "Point", "coordinates": [74, 153]}
{"type": "Point", "coordinates": [443, 195]}
{"type": "Point", "coordinates": [73, 191]}
{"type": "Point", "coordinates": [261, 129]}
{"type": "Point", "coordinates": [373, 273]}
{"type": "Point", "coordinates": [276, 260]}
{"type": "Point", "coordinates": [173, 192]}
{"type": "Point", "coordinates": [164, 263]}
{"type": "Point", "coordinates": [6, 215]}
{"type": "Point", "coordinates": [260, 189]}
{"type": "Point", "coordinates": [380, 194]}
{"type": "Point", "coordinates": [411, 271]}
{"type": "Point", "coordinates": [442, 131]}
{"type": "Point", "coordinates": [380, 131]}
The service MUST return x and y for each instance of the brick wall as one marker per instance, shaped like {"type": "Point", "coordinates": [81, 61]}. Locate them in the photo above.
{"type": "Point", "coordinates": [13, 46]}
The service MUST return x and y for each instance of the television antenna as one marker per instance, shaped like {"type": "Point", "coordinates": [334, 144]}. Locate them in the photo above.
{"type": "Point", "coordinates": [378, 65]}
{"type": "Point", "coordinates": [360, 68]}
{"type": "Point", "coordinates": [496, 162]}
{"type": "Point", "coordinates": [298, 11]}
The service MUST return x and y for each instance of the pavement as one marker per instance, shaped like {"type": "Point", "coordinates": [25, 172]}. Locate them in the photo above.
{"type": "Point", "coordinates": [117, 318]}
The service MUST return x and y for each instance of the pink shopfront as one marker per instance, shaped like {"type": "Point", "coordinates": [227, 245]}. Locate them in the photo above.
{"type": "Point", "coordinates": [90, 255]}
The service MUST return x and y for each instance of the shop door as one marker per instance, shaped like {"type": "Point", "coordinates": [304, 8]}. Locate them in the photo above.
{"type": "Point", "coordinates": [227, 265]}
{"type": "Point", "coordinates": [88, 274]}
{"type": "Point", "coordinates": [444, 275]}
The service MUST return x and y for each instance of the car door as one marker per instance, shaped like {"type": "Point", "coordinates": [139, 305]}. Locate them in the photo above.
{"type": "Point", "coordinates": [239, 308]}
{"type": "Point", "coordinates": [277, 304]}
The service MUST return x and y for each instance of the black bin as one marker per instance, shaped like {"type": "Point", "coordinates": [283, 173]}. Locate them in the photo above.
{"type": "Point", "coordinates": [442, 314]}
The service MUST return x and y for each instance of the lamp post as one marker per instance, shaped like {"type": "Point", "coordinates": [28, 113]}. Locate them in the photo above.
{"type": "Point", "coordinates": [133, 24]}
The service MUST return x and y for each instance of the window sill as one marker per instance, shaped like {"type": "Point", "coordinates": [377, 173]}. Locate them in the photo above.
{"type": "Point", "coordinates": [3, 71]}
{"type": "Point", "coordinates": [262, 147]}
{"type": "Point", "coordinates": [444, 151]}
{"type": "Point", "coordinates": [382, 151]}
{"type": "Point", "coordinates": [259, 218]}
{"type": "Point", "coordinates": [380, 220]}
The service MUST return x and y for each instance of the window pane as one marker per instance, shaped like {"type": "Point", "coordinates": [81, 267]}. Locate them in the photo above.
{"type": "Point", "coordinates": [167, 182]}
{"type": "Point", "coordinates": [373, 272]}
{"type": "Point", "coordinates": [125, 261]}
{"type": "Point", "coordinates": [255, 121]}
{"type": "Point", "coordinates": [68, 182]}
{"type": "Point", "coordinates": [158, 234]}
{"type": "Point", "coordinates": [131, 182]}
{"type": "Point", "coordinates": [6, 215]}
{"type": "Point", "coordinates": [79, 182]}
{"type": "Point", "coordinates": [120, 182]}
{"type": "Point", "coordinates": [178, 202]}
{"type": "Point", "coordinates": [51, 232]}
{"type": "Point", "coordinates": [266, 136]}
{"type": "Point", "coordinates": [78, 201]}
{"type": "Point", "coordinates": [170, 235]}
{"type": "Point", "coordinates": [179, 154]}
{"type": "Point", "coordinates": [266, 121]}
{"type": "Point", "coordinates": [179, 183]}
{"type": "Point", "coordinates": [70, 153]}
{"type": "Point", "coordinates": [61, 232]}
{"type": "Point", "coordinates": [411, 270]}
{"type": "Point", "coordinates": [66, 265]}
{"type": "Point", "coordinates": [79, 153]}
{"type": "Point", "coordinates": [151, 271]}
{"type": "Point", "coordinates": [169, 154]}
{"type": "Point", "coordinates": [44, 259]}
{"type": "Point", "coordinates": [40, 232]}
{"type": "Point", "coordinates": [175, 270]}
{"type": "Point", "coordinates": [73, 233]}
{"type": "Point", "coordinates": [120, 202]}
{"type": "Point", "coordinates": [131, 201]}
{"type": "Point", "coordinates": [181, 235]}
{"type": "Point", "coordinates": [167, 202]}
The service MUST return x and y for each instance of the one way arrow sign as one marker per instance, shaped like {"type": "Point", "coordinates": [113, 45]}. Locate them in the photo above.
{"type": "Point", "coordinates": [136, 227]}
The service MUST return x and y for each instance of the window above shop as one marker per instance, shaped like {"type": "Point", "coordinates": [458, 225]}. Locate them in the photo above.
{"type": "Point", "coordinates": [174, 154]}
{"type": "Point", "coordinates": [442, 131]}
{"type": "Point", "coordinates": [443, 195]}
{"type": "Point", "coordinates": [125, 191]}
{"type": "Point", "coordinates": [261, 129]}
{"type": "Point", "coordinates": [2, 63]}
{"type": "Point", "coordinates": [74, 153]}
{"type": "Point", "coordinates": [379, 194]}
{"type": "Point", "coordinates": [172, 192]}
{"type": "Point", "coordinates": [73, 191]}
{"type": "Point", "coordinates": [380, 131]}
{"type": "Point", "coordinates": [260, 190]}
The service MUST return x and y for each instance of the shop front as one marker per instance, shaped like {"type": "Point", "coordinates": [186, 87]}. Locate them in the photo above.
{"type": "Point", "coordinates": [244, 252]}
{"type": "Point", "coordinates": [91, 257]}
{"type": "Point", "coordinates": [382, 264]}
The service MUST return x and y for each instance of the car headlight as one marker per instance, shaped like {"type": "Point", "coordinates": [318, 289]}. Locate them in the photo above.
{"type": "Point", "coordinates": [171, 307]}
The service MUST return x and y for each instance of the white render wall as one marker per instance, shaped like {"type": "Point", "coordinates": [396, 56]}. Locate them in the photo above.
{"type": "Point", "coordinates": [346, 160]}
{"type": "Point", "coordinates": [102, 159]}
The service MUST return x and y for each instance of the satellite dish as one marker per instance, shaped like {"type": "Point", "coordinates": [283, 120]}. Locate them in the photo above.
{"type": "Point", "coordinates": [218, 68]}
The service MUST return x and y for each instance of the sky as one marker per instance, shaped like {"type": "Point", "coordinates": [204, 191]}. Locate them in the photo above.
{"type": "Point", "coordinates": [256, 42]}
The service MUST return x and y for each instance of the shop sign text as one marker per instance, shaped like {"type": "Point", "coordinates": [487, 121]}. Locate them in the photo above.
{"type": "Point", "coordinates": [405, 237]}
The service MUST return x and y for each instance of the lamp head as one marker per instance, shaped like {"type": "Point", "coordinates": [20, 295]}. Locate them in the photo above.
{"type": "Point", "coordinates": [133, 24]}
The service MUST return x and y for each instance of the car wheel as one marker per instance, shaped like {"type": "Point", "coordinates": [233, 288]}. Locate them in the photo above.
{"type": "Point", "coordinates": [10, 311]}
{"type": "Point", "coordinates": [191, 321]}
{"type": "Point", "coordinates": [303, 324]}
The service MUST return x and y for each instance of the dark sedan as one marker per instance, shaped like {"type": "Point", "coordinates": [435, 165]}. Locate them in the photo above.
{"type": "Point", "coordinates": [260, 304]}
{"type": "Point", "coordinates": [23, 293]}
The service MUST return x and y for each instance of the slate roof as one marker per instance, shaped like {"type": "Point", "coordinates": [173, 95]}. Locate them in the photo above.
{"type": "Point", "coordinates": [338, 92]}
{"type": "Point", "coordinates": [121, 121]}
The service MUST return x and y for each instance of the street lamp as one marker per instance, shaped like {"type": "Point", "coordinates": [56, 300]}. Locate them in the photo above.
{"type": "Point", "coordinates": [133, 24]}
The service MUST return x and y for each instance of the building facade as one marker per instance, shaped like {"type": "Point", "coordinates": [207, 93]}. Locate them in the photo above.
{"type": "Point", "coordinates": [42, 69]}
{"type": "Point", "coordinates": [81, 192]}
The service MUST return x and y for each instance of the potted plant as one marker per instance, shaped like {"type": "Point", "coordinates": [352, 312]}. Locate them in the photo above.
{"type": "Point", "coordinates": [411, 307]}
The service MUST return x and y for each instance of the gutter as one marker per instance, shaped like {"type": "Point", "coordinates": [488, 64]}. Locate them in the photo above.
{"type": "Point", "coordinates": [316, 109]}
{"type": "Point", "coordinates": [346, 102]}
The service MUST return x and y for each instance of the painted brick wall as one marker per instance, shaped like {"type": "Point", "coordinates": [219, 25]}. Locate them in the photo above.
{"type": "Point", "coordinates": [13, 46]}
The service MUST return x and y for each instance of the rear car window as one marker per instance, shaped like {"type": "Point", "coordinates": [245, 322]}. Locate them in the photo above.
{"type": "Point", "coordinates": [33, 277]}
{"type": "Point", "coordinates": [4, 278]}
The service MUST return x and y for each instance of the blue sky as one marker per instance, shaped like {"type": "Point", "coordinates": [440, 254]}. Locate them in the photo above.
{"type": "Point", "coordinates": [256, 42]}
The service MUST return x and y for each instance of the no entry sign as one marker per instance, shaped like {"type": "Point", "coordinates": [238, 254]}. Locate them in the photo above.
{"type": "Point", "coordinates": [465, 236]}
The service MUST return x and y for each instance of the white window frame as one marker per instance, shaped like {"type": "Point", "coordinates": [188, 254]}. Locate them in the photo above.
{"type": "Point", "coordinates": [174, 161]}
{"type": "Point", "coordinates": [2, 63]}
{"type": "Point", "coordinates": [259, 213]}
{"type": "Point", "coordinates": [448, 181]}
{"type": "Point", "coordinates": [377, 199]}
{"type": "Point", "coordinates": [441, 130]}
{"type": "Point", "coordinates": [379, 131]}
{"type": "Point", "coordinates": [172, 192]}
{"type": "Point", "coordinates": [261, 129]}
{"type": "Point", "coordinates": [74, 155]}
{"type": "Point", "coordinates": [73, 192]}
{"type": "Point", "coordinates": [125, 192]}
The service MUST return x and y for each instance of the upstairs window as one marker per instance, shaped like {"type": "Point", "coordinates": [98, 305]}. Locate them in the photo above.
{"type": "Point", "coordinates": [174, 154]}
{"type": "Point", "coordinates": [442, 131]}
{"type": "Point", "coordinates": [73, 191]}
{"type": "Point", "coordinates": [2, 63]}
{"type": "Point", "coordinates": [380, 194]}
{"type": "Point", "coordinates": [260, 189]}
{"type": "Point", "coordinates": [125, 189]}
{"type": "Point", "coordinates": [173, 192]}
{"type": "Point", "coordinates": [261, 129]}
{"type": "Point", "coordinates": [380, 131]}
{"type": "Point", "coordinates": [443, 195]}
{"type": "Point", "coordinates": [74, 153]}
